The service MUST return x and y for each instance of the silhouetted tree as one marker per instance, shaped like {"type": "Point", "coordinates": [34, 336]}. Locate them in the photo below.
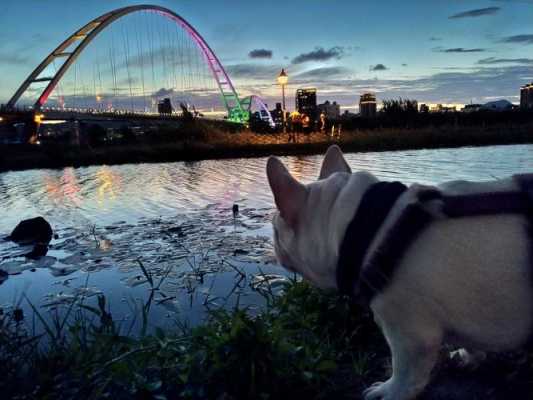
{"type": "Point", "coordinates": [186, 115]}
{"type": "Point", "coordinates": [401, 112]}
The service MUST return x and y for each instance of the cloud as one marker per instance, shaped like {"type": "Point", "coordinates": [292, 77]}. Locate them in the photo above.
{"type": "Point", "coordinates": [128, 81]}
{"type": "Point", "coordinates": [459, 50]}
{"type": "Point", "coordinates": [493, 60]}
{"type": "Point", "coordinates": [163, 92]}
{"type": "Point", "coordinates": [260, 53]}
{"type": "Point", "coordinates": [230, 32]}
{"type": "Point", "coordinates": [13, 59]}
{"type": "Point", "coordinates": [202, 99]}
{"type": "Point", "coordinates": [253, 71]}
{"type": "Point", "coordinates": [378, 67]}
{"type": "Point", "coordinates": [479, 85]}
{"type": "Point", "coordinates": [170, 54]}
{"type": "Point", "coordinates": [319, 54]}
{"type": "Point", "coordinates": [480, 12]}
{"type": "Point", "coordinates": [324, 73]}
{"type": "Point", "coordinates": [522, 39]}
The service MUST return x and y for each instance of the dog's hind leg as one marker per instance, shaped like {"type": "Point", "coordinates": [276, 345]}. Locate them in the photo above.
{"type": "Point", "coordinates": [415, 349]}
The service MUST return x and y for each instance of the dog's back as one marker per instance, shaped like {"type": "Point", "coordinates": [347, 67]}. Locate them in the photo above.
{"type": "Point", "coordinates": [472, 275]}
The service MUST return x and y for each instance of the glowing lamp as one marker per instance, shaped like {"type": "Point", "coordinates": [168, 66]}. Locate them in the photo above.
{"type": "Point", "coordinates": [283, 78]}
{"type": "Point", "coordinates": [38, 118]}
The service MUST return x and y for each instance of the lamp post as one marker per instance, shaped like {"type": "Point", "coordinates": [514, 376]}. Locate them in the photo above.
{"type": "Point", "coordinates": [283, 78]}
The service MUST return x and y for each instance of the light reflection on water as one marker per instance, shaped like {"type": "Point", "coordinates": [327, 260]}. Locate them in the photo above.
{"type": "Point", "coordinates": [104, 194]}
{"type": "Point", "coordinates": [101, 195]}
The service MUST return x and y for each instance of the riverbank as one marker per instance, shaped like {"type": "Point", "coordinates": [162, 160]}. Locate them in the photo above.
{"type": "Point", "coordinates": [123, 274]}
{"type": "Point", "coordinates": [217, 144]}
{"type": "Point", "coordinates": [306, 344]}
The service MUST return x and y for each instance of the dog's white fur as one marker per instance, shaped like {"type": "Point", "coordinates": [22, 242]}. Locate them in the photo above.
{"type": "Point", "coordinates": [464, 281]}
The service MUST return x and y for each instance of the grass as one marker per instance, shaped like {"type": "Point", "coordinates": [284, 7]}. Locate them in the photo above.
{"type": "Point", "coordinates": [305, 343]}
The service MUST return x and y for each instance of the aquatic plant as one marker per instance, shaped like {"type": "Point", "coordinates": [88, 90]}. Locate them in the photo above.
{"type": "Point", "coordinates": [301, 344]}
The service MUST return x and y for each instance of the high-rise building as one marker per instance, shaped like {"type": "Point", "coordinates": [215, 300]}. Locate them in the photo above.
{"type": "Point", "coordinates": [164, 107]}
{"type": "Point", "coordinates": [306, 102]}
{"type": "Point", "coordinates": [526, 97]}
{"type": "Point", "coordinates": [368, 105]}
{"type": "Point", "coordinates": [277, 115]}
{"type": "Point", "coordinates": [332, 110]}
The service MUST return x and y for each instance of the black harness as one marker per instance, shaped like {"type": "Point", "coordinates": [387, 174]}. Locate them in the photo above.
{"type": "Point", "coordinates": [370, 215]}
{"type": "Point", "coordinates": [368, 279]}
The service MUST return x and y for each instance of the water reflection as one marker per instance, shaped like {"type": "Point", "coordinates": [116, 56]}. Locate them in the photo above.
{"type": "Point", "coordinates": [71, 188]}
{"type": "Point", "coordinates": [109, 182]}
{"type": "Point", "coordinates": [104, 194]}
{"type": "Point", "coordinates": [64, 189]}
{"type": "Point", "coordinates": [303, 168]}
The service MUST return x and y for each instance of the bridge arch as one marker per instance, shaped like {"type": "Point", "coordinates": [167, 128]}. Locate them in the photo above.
{"type": "Point", "coordinates": [85, 35]}
{"type": "Point", "coordinates": [248, 102]}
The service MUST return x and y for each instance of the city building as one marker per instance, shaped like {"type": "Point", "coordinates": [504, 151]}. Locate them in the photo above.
{"type": "Point", "coordinates": [368, 105]}
{"type": "Point", "coordinates": [526, 97]}
{"type": "Point", "coordinates": [277, 115]}
{"type": "Point", "coordinates": [164, 107]}
{"type": "Point", "coordinates": [332, 110]}
{"type": "Point", "coordinates": [306, 102]}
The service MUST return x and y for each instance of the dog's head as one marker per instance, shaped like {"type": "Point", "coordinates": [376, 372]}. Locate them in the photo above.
{"type": "Point", "coordinates": [311, 219]}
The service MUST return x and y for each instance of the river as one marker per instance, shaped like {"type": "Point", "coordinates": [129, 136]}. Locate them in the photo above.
{"type": "Point", "coordinates": [176, 220]}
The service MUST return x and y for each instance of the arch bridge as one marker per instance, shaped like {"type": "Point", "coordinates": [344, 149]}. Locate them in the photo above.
{"type": "Point", "coordinates": [70, 49]}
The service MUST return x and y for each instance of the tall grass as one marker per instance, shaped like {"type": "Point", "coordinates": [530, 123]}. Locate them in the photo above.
{"type": "Point", "coordinates": [302, 344]}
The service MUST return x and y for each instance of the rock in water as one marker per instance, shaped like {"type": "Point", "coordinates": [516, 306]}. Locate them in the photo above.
{"type": "Point", "coordinates": [32, 231]}
{"type": "Point", "coordinates": [3, 276]}
{"type": "Point", "coordinates": [39, 250]}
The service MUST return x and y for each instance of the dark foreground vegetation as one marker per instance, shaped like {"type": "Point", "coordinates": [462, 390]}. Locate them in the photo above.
{"type": "Point", "coordinates": [305, 344]}
{"type": "Point", "coordinates": [196, 139]}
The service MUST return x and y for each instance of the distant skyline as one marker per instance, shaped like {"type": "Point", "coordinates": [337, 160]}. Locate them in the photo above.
{"type": "Point", "coordinates": [454, 51]}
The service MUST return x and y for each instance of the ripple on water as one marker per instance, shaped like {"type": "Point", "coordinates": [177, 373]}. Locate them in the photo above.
{"type": "Point", "coordinates": [110, 216]}
{"type": "Point", "coordinates": [102, 195]}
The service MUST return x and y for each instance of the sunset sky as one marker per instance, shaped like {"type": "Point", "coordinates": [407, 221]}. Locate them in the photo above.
{"type": "Point", "coordinates": [453, 51]}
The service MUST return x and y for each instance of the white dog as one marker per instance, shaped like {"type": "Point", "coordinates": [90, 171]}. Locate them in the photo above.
{"type": "Point", "coordinates": [464, 280]}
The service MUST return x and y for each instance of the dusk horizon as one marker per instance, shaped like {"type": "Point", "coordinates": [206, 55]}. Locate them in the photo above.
{"type": "Point", "coordinates": [453, 53]}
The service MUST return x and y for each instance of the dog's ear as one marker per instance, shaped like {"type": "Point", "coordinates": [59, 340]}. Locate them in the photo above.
{"type": "Point", "coordinates": [333, 162]}
{"type": "Point", "coordinates": [289, 194]}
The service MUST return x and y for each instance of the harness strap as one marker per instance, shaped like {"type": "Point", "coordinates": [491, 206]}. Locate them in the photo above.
{"type": "Point", "coordinates": [377, 272]}
{"type": "Point", "coordinates": [372, 277]}
{"type": "Point", "coordinates": [370, 215]}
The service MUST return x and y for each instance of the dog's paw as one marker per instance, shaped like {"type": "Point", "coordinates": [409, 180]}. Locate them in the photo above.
{"type": "Point", "coordinates": [378, 391]}
{"type": "Point", "coordinates": [390, 390]}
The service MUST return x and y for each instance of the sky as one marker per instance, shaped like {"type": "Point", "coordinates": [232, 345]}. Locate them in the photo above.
{"type": "Point", "coordinates": [446, 51]}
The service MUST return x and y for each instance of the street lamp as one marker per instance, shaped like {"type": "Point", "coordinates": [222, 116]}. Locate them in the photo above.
{"type": "Point", "coordinates": [283, 78]}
